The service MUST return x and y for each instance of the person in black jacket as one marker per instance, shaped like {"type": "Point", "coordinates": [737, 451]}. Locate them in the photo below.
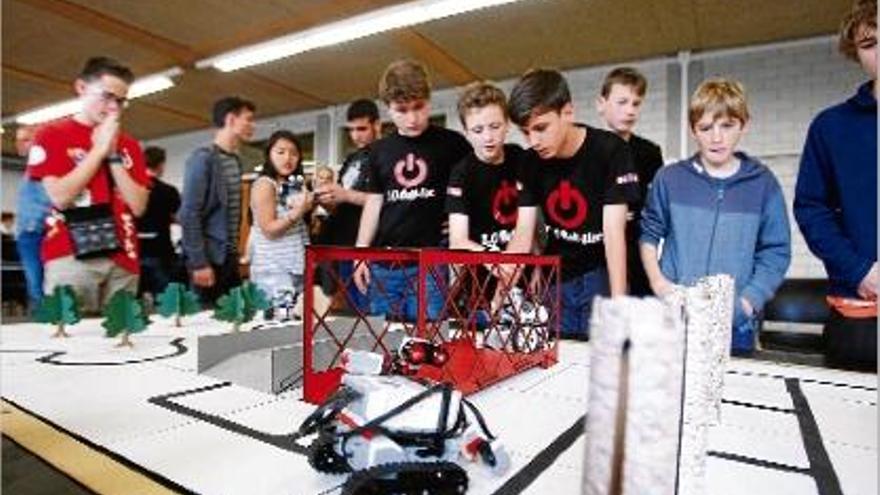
{"type": "Point", "coordinates": [158, 259]}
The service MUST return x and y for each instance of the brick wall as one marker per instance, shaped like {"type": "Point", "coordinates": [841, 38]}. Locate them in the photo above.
{"type": "Point", "coordinates": [786, 87]}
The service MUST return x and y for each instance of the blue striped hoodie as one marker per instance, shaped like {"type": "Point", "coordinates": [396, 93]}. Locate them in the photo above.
{"type": "Point", "coordinates": [737, 225]}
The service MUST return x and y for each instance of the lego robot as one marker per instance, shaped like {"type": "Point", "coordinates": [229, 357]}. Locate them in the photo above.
{"type": "Point", "coordinates": [398, 436]}
{"type": "Point", "coordinates": [522, 325]}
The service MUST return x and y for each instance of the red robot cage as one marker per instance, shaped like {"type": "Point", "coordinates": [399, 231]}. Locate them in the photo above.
{"type": "Point", "coordinates": [470, 319]}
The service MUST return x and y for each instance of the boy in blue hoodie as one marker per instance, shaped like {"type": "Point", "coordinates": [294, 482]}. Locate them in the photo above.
{"type": "Point", "coordinates": [835, 202]}
{"type": "Point", "coordinates": [720, 211]}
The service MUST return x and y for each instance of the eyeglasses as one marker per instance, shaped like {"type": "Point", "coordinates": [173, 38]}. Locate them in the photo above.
{"type": "Point", "coordinates": [108, 96]}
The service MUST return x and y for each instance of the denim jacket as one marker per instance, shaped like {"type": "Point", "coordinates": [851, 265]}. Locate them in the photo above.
{"type": "Point", "coordinates": [32, 206]}
{"type": "Point", "coordinates": [203, 210]}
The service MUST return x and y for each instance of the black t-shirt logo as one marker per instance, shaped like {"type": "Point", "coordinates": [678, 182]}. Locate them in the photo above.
{"type": "Point", "coordinates": [566, 206]}
{"type": "Point", "coordinates": [410, 171]}
{"type": "Point", "coordinates": [504, 204]}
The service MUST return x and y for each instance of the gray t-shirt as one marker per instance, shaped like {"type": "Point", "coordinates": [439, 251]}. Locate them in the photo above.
{"type": "Point", "coordinates": [231, 167]}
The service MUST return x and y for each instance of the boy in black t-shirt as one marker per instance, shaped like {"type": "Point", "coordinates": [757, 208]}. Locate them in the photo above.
{"type": "Point", "coordinates": [409, 172]}
{"type": "Point", "coordinates": [346, 198]}
{"type": "Point", "coordinates": [582, 178]}
{"type": "Point", "coordinates": [619, 104]}
{"type": "Point", "coordinates": [481, 199]}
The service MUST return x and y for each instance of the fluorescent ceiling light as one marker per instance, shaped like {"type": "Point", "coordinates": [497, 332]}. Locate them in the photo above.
{"type": "Point", "coordinates": [153, 83]}
{"type": "Point", "coordinates": [141, 87]}
{"type": "Point", "coordinates": [47, 113]}
{"type": "Point", "coordinates": [377, 21]}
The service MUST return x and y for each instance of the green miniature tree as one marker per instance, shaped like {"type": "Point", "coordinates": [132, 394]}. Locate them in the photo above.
{"type": "Point", "coordinates": [60, 308]}
{"type": "Point", "coordinates": [241, 304]}
{"type": "Point", "coordinates": [124, 315]}
{"type": "Point", "coordinates": [178, 301]}
{"type": "Point", "coordinates": [255, 297]}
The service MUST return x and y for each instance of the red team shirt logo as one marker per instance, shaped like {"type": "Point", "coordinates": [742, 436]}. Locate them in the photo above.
{"type": "Point", "coordinates": [504, 204]}
{"type": "Point", "coordinates": [567, 207]}
{"type": "Point", "coordinates": [411, 171]}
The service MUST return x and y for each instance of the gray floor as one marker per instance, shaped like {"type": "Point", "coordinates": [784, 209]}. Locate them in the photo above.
{"type": "Point", "coordinates": [26, 474]}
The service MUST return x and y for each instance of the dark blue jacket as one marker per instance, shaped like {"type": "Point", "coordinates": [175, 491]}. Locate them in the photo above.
{"type": "Point", "coordinates": [203, 210]}
{"type": "Point", "coordinates": [835, 202]}
{"type": "Point", "coordinates": [737, 225]}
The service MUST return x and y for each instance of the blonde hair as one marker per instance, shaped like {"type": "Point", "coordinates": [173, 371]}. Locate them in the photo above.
{"type": "Point", "coordinates": [324, 170]}
{"type": "Point", "coordinates": [719, 97]}
{"type": "Point", "coordinates": [863, 15]}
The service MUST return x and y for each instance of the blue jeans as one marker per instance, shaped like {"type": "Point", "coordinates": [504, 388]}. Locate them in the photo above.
{"type": "Point", "coordinates": [394, 293]}
{"type": "Point", "coordinates": [742, 338]}
{"type": "Point", "coordinates": [354, 298]}
{"type": "Point", "coordinates": [577, 302]}
{"type": "Point", "coordinates": [28, 244]}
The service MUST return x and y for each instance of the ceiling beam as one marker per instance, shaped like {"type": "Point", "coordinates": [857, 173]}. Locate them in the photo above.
{"type": "Point", "coordinates": [49, 81]}
{"type": "Point", "coordinates": [268, 81]}
{"type": "Point", "coordinates": [9, 70]}
{"type": "Point", "coordinates": [113, 26]}
{"type": "Point", "coordinates": [181, 54]}
{"type": "Point", "coordinates": [438, 58]}
{"type": "Point", "coordinates": [198, 119]}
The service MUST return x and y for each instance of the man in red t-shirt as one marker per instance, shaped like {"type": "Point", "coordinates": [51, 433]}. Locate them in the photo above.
{"type": "Point", "coordinates": [87, 161]}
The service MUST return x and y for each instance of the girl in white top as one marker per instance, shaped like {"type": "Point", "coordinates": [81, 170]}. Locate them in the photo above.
{"type": "Point", "coordinates": [280, 202]}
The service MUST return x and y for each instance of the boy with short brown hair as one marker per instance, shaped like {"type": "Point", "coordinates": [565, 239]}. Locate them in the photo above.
{"type": "Point", "coordinates": [582, 178]}
{"type": "Point", "coordinates": [620, 104]}
{"type": "Point", "coordinates": [720, 211]}
{"type": "Point", "coordinates": [481, 199]}
{"type": "Point", "coordinates": [91, 168]}
{"type": "Point", "coordinates": [409, 171]}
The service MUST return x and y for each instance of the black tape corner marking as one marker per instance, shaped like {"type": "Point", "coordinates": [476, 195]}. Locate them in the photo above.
{"type": "Point", "coordinates": [821, 468]}
{"type": "Point", "coordinates": [52, 358]}
{"type": "Point", "coordinates": [283, 441]}
{"type": "Point", "coordinates": [820, 463]}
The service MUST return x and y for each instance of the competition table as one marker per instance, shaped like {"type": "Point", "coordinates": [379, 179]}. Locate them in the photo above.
{"type": "Point", "coordinates": [785, 429]}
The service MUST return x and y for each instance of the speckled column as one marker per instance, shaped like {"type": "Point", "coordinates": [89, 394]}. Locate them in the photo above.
{"type": "Point", "coordinates": [632, 425]}
{"type": "Point", "coordinates": [707, 308]}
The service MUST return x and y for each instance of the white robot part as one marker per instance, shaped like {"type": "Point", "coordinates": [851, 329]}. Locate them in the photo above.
{"type": "Point", "coordinates": [395, 435]}
{"type": "Point", "coordinates": [381, 394]}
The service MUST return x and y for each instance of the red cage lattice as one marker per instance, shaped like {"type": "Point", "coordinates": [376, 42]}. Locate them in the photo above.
{"type": "Point", "coordinates": [492, 315]}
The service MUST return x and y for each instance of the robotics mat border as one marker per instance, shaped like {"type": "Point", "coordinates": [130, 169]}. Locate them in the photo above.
{"type": "Point", "coordinates": [785, 429]}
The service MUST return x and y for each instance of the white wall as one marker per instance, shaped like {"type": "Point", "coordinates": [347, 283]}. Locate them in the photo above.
{"type": "Point", "coordinates": [10, 180]}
